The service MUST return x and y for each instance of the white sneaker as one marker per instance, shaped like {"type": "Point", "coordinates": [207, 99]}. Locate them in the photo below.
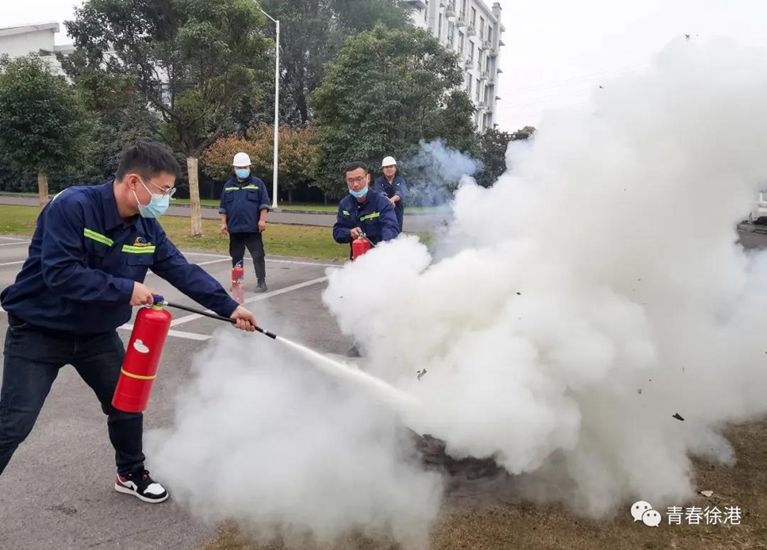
{"type": "Point", "coordinates": [141, 486]}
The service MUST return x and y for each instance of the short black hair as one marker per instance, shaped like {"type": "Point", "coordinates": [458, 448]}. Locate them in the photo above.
{"type": "Point", "coordinates": [147, 158]}
{"type": "Point", "coordinates": [352, 166]}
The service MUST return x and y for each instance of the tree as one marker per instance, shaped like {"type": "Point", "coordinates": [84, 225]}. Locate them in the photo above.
{"type": "Point", "coordinates": [313, 32]}
{"type": "Point", "coordinates": [42, 123]}
{"type": "Point", "coordinates": [298, 154]}
{"type": "Point", "coordinates": [386, 90]}
{"type": "Point", "coordinates": [492, 152]}
{"type": "Point", "coordinates": [194, 62]}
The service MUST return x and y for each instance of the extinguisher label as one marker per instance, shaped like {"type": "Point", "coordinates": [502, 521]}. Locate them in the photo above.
{"type": "Point", "coordinates": [140, 347]}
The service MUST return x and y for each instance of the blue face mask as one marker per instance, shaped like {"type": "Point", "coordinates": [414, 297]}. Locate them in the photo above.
{"type": "Point", "coordinates": [156, 207]}
{"type": "Point", "coordinates": [242, 173]}
{"type": "Point", "coordinates": [359, 194]}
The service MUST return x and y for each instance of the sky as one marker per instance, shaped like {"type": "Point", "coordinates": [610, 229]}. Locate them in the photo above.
{"type": "Point", "coordinates": [557, 51]}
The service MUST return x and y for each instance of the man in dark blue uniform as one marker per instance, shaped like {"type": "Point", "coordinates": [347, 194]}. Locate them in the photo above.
{"type": "Point", "coordinates": [393, 185]}
{"type": "Point", "coordinates": [244, 207]}
{"type": "Point", "coordinates": [363, 210]}
{"type": "Point", "coordinates": [87, 261]}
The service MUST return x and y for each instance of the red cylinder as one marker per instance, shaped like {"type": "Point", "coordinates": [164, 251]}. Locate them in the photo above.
{"type": "Point", "coordinates": [238, 282]}
{"type": "Point", "coordinates": [360, 245]}
{"type": "Point", "coordinates": [139, 368]}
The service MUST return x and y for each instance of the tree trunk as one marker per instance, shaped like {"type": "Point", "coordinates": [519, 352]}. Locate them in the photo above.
{"type": "Point", "coordinates": [42, 188]}
{"type": "Point", "coordinates": [325, 198]}
{"type": "Point", "coordinates": [290, 196]}
{"type": "Point", "coordinates": [194, 196]}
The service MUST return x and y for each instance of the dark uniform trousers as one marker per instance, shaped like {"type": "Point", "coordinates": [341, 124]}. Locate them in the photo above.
{"type": "Point", "coordinates": [33, 358]}
{"type": "Point", "coordinates": [255, 245]}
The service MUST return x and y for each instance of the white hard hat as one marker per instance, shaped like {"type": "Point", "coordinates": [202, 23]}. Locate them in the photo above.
{"type": "Point", "coordinates": [241, 159]}
{"type": "Point", "coordinates": [388, 161]}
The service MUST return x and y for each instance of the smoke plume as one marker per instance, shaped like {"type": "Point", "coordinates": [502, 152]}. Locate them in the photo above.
{"type": "Point", "coordinates": [593, 293]}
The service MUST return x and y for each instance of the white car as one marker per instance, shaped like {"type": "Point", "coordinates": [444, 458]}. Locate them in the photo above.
{"type": "Point", "coordinates": [758, 213]}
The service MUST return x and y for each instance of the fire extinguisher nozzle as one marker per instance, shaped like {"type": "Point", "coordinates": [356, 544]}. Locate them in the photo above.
{"type": "Point", "coordinates": [267, 333]}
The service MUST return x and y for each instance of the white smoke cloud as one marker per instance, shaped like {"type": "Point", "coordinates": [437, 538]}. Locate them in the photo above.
{"type": "Point", "coordinates": [435, 171]}
{"type": "Point", "coordinates": [593, 292]}
{"type": "Point", "coordinates": [289, 452]}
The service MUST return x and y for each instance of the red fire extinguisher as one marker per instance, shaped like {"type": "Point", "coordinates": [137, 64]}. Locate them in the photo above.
{"type": "Point", "coordinates": [360, 245]}
{"type": "Point", "coordinates": [139, 368]}
{"type": "Point", "coordinates": [238, 282]}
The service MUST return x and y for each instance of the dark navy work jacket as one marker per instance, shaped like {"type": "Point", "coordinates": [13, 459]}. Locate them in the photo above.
{"type": "Point", "coordinates": [398, 186]}
{"type": "Point", "coordinates": [242, 202]}
{"type": "Point", "coordinates": [375, 217]}
{"type": "Point", "coordinates": [83, 261]}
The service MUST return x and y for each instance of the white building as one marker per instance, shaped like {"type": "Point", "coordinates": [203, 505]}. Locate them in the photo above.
{"type": "Point", "coordinates": [37, 39]}
{"type": "Point", "coordinates": [474, 32]}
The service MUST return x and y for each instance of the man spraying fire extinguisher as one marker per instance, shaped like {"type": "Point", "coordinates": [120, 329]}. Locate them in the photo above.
{"type": "Point", "coordinates": [363, 214]}
{"type": "Point", "coordinates": [87, 261]}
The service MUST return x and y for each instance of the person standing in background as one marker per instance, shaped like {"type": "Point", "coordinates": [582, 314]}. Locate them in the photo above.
{"type": "Point", "coordinates": [393, 186]}
{"type": "Point", "coordinates": [244, 207]}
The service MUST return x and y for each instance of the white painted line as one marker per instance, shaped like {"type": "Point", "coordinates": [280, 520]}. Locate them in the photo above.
{"type": "Point", "coordinates": [13, 263]}
{"type": "Point", "coordinates": [13, 239]}
{"type": "Point", "coordinates": [257, 298]}
{"type": "Point", "coordinates": [18, 243]}
{"type": "Point", "coordinates": [177, 334]}
{"type": "Point", "coordinates": [273, 260]}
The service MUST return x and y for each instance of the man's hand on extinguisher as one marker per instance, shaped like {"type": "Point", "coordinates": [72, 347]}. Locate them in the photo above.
{"type": "Point", "coordinates": [355, 232]}
{"type": "Point", "coordinates": [141, 295]}
{"type": "Point", "coordinates": [245, 320]}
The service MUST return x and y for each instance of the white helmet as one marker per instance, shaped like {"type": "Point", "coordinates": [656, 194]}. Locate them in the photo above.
{"type": "Point", "coordinates": [388, 161]}
{"type": "Point", "coordinates": [241, 159]}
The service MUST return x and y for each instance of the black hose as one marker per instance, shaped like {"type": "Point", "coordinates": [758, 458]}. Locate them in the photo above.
{"type": "Point", "coordinates": [216, 317]}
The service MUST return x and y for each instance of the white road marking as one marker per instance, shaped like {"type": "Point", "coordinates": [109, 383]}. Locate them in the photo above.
{"type": "Point", "coordinates": [17, 243]}
{"type": "Point", "coordinates": [257, 298]}
{"type": "Point", "coordinates": [13, 263]}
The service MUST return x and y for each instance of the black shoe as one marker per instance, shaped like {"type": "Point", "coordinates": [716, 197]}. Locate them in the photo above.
{"type": "Point", "coordinates": [261, 287]}
{"type": "Point", "coordinates": [142, 486]}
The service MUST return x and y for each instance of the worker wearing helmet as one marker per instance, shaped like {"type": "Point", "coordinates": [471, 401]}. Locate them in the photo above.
{"type": "Point", "coordinates": [89, 255]}
{"type": "Point", "coordinates": [244, 207]}
{"type": "Point", "coordinates": [393, 185]}
{"type": "Point", "coordinates": [363, 210]}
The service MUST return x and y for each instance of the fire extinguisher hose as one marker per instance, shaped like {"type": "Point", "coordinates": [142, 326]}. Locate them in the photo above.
{"type": "Point", "coordinates": [217, 317]}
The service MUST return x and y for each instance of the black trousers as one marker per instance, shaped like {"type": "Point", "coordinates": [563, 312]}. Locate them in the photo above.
{"type": "Point", "coordinates": [33, 358]}
{"type": "Point", "coordinates": [255, 245]}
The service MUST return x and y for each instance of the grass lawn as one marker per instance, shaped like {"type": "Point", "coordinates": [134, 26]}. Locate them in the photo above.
{"type": "Point", "coordinates": [280, 240]}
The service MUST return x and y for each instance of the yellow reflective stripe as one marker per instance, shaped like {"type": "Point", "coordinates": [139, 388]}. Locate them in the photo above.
{"type": "Point", "coordinates": [346, 213]}
{"type": "Point", "coordinates": [138, 249]}
{"type": "Point", "coordinates": [98, 237]}
{"type": "Point", "coordinates": [240, 188]}
{"type": "Point", "coordinates": [371, 216]}
{"type": "Point", "coordinates": [137, 376]}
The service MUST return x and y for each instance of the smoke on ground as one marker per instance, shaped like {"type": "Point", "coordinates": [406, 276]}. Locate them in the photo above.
{"type": "Point", "coordinates": [594, 292]}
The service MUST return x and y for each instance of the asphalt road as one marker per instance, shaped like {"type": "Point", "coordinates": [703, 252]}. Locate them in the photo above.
{"type": "Point", "coordinates": [416, 223]}
{"type": "Point", "coordinates": [57, 491]}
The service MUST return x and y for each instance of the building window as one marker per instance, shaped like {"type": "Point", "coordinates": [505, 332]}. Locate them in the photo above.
{"type": "Point", "coordinates": [478, 90]}
{"type": "Point", "coordinates": [426, 12]}
{"type": "Point", "coordinates": [463, 8]}
{"type": "Point", "coordinates": [450, 34]}
{"type": "Point", "coordinates": [439, 28]}
{"type": "Point", "coordinates": [471, 52]}
{"type": "Point", "coordinates": [481, 28]}
{"type": "Point", "coordinates": [468, 85]}
{"type": "Point", "coordinates": [460, 42]}
{"type": "Point", "coordinates": [473, 16]}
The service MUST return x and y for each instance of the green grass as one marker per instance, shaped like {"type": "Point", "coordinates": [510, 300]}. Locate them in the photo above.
{"type": "Point", "coordinates": [295, 207]}
{"type": "Point", "coordinates": [280, 240]}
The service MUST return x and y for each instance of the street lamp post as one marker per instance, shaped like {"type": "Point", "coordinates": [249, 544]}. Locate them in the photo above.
{"type": "Point", "coordinates": [276, 108]}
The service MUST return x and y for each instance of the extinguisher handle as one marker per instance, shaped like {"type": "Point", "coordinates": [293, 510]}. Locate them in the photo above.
{"type": "Point", "coordinates": [372, 244]}
{"type": "Point", "coordinates": [217, 317]}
